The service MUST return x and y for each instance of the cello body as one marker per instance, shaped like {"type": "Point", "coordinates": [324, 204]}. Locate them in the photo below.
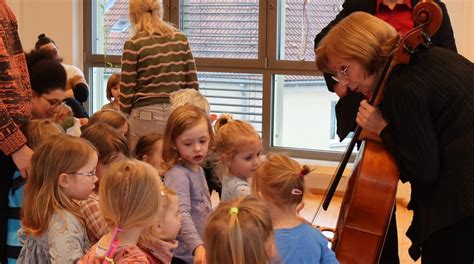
{"type": "Point", "coordinates": [370, 197]}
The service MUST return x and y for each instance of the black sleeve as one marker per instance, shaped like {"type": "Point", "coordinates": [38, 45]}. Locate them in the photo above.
{"type": "Point", "coordinates": [81, 92]}
{"type": "Point", "coordinates": [444, 38]}
{"type": "Point", "coordinates": [77, 108]}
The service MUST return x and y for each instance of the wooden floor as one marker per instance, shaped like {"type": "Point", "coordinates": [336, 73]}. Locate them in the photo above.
{"type": "Point", "coordinates": [329, 218]}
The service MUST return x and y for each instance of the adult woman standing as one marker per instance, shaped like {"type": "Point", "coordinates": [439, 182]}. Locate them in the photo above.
{"type": "Point", "coordinates": [426, 120]}
{"type": "Point", "coordinates": [156, 61]}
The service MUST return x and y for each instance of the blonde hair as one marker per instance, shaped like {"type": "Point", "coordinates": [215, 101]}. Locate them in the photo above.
{"type": "Point", "coordinates": [181, 119]}
{"type": "Point", "coordinates": [238, 232]}
{"type": "Point", "coordinates": [147, 16]}
{"type": "Point", "coordinates": [130, 195]}
{"type": "Point", "coordinates": [40, 130]}
{"type": "Point", "coordinates": [191, 97]}
{"type": "Point", "coordinates": [64, 116]}
{"type": "Point", "coordinates": [361, 37]}
{"type": "Point", "coordinates": [43, 195]}
{"type": "Point", "coordinates": [109, 116]}
{"type": "Point", "coordinates": [113, 81]}
{"type": "Point", "coordinates": [231, 137]}
{"type": "Point", "coordinates": [280, 180]}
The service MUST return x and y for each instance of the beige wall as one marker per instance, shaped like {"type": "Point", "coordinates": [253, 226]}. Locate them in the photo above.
{"type": "Point", "coordinates": [461, 13]}
{"type": "Point", "coordinates": [62, 20]}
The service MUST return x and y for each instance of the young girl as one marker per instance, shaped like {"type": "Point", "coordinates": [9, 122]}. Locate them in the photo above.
{"type": "Point", "coordinates": [279, 181]}
{"type": "Point", "coordinates": [37, 132]}
{"type": "Point", "coordinates": [63, 171]}
{"type": "Point", "coordinates": [138, 209]}
{"type": "Point", "coordinates": [239, 147]}
{"type": "Point", "coordinates": [185, 145]}
{"type": "Point", "coordinates": [111, 146]}
{"type": "Point", "coordinates": [156, 61]}
{"type": "Point", "coordinates": [111, 117]}
{"type": "Point", "coordinates": [113, 92]}
{"type": "Point", "coordinates": [240, 232]}
{"type": "Point", "coordinates": [149, 149]}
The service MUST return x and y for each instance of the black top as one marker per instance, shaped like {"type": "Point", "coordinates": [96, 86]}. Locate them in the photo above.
{"type": "Point", "coordinates": [430, 108]}
{"type": "Point", "coordinates": [347, 106]}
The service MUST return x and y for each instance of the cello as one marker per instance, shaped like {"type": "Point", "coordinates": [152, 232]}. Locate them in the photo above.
{"type": "Point", "coordinates": [369, 200]}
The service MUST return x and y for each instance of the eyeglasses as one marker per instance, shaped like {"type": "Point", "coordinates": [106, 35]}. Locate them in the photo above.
{"type": "Point", "coordinates": [88, 174]}
{"type": "Point", "coordinates": [341, 74]}
{"type": "Point", "coordinates": [53, 102]}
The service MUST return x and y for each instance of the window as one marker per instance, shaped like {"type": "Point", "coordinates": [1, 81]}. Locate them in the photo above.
{"type": "Point", "coordinates": [255, 60]}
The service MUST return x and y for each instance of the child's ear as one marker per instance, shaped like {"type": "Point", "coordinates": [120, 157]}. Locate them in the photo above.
{"type": "Point", "coordinates": [299, 207]}
{"type": "Point", "coordinates": [225, 159]}
{"type": "Point", "coordinates": [63, 180]}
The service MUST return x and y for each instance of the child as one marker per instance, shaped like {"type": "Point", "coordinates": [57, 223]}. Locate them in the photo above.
{"type": "Point", "coordinates": [149, 149]}
{"type": "Point", "coordinates": [111, 117]}
{"type": "Point", "coordinates": [279, 181]}
{"type": "Point", "coordinates": [170, 225]}
{"type": "Point", "coordinates": [156, 61]}
{"type": "Point", "coordinates": [138, 209]}
{"type": "Point", "coordinates": [113, 92]}
{"type": "Point", "coordinates": [185, 145]}
{"type": "Point", "coordinates": [37, 132]}
{"type": "Point", "coordinates": [68, 122]}
{"type": "Point", "coordinates": [63, 170]}
{"type": "Point", "coordinates": [239, 147]}
{"type": "Point", "coordinates": [111, 146]}
{"type": "Point", "coordinates": [240, 232]}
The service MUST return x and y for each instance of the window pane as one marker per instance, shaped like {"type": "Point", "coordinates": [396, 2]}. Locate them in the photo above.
{"type": "Point", "coordinates": [299, 23]}
{"type": "Point", "coordinates": [239, 94]}
{"type": "Point", "coordinates": [111, 26]}
{"type": "Point", "coordinates": [221, 29]}
{"type": "Point", "coordinates": [99, 84]}
{"type": "Point", "coordinates": [304, 114]}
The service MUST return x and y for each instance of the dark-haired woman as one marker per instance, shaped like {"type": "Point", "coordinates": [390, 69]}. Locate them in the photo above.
{"type": "Point", "coordinates": [77, 90]}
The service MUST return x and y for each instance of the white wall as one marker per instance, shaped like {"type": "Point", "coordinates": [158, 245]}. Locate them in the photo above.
{"type": "Point", "coordinates": [62, 20]}
{"type": "Point", "coordinates": [461, 14]}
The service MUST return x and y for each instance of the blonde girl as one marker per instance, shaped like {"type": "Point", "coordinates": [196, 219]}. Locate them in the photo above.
{"type": "Point", "coordinates": [279, 182]}
{"type": "Point", "coordinates": [63, 171]}
{"type": "Point", "coordinates": [111, 117]}
{"type": "Point", "coordinates": [149, 149]}
{"type": "Point", "coordinates": [156, 61]}
{"type": "Point", "coordinates": [112, 92]}
{"type": "Point", "coordinates": [138, 209]}
{"type": "Point", "coordinates": [186, 141]}
{"type": "Point", "coordinates": [37, 131]}
{"type": "Point", "coordinates": [111, 146]}
{"type": "Point", "coordinates": [238, 146]}
{"type": "Point", "coordinates": [240, 232]}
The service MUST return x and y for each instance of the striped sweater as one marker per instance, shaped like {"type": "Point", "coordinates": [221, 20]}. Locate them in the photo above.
{"type": "Point", "coordinates": [153, 67]}
{"type": "Point", "coordinates": [15, 89]}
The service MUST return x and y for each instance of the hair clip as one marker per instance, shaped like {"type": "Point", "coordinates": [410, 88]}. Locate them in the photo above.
{"type": "Point", "coordinates": [296, 192]}
{"type": "Point", "coordinates": [234, 210]}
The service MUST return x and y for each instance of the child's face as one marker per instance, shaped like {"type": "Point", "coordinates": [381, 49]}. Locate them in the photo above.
{"type": "Point", "coordinates": [171, 224]}
{"type": "Point", "coordinates": [156, 157]}
{"type": "Point", "coordinates": [80, 184]}
{"type": "Point", "coordinates": [193, 144]}
{"type": "Point", "coordinates": [115, 92]}
{"type": "Point", "coordinates": [246, 161]}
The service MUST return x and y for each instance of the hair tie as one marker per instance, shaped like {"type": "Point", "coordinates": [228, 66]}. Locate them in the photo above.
{"type": "Point", "coordinates": [234, 210]}
{"type": "Point", "coordinates": [304, 171]}
{"type": "Point", "coordinates": [150, 10]}
{"type": "Point", "coordinates": [296, 192]}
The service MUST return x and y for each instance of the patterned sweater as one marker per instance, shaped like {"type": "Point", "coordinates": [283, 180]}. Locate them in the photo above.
{"type": "Point", "coordinates": [15, 89]}
{"type": "Point", "coordinates": [153, 67]}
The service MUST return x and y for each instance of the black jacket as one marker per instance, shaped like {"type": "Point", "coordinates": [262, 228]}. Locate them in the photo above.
{"type": "Point", "coordinates": [347, 106]}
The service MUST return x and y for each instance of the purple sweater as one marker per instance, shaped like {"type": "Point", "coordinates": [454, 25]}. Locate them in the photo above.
{"type": "Point", "coordinates": [194, 207]}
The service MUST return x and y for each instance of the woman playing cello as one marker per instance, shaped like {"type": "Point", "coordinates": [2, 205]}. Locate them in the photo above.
{"type": "Point", "coordinates": [425, 120]}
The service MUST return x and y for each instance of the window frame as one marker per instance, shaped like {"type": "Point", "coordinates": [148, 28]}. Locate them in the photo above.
{"type": "Point", "coordinates": [266, 64]}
